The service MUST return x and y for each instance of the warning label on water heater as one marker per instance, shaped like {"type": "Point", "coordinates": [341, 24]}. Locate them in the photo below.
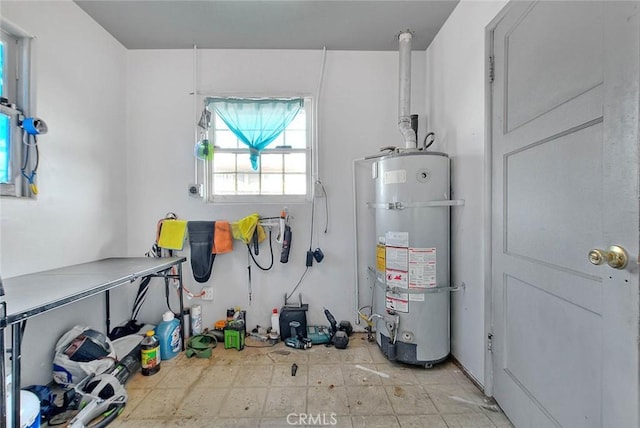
{"type": "Point", "coordinates": [396, 239]}
{"type": "Point", "coordinates": [395, 177]}
{"type": "Point", "coordinates": [422, 267]}
{"type": "Point", "coordinates": [397, 270]}
{"type": "Point", "coordinates": [396, 258]}
{"type": "Point", "coordinates": [380, 258]}
{"type": "Point", "coordinates": [397, 301]}
{"type": "Point", "coordinates": [397, 278]}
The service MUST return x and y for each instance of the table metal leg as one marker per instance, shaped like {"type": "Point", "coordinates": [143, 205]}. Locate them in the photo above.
{"type": "Point", "coordinates": [3, 374]}
{"type": "Point", "coordinates": [16, 332]}
{"type": "Point", "coordinates": [181, 298]}
{"type": "Point", "coordinates": [108, 310]}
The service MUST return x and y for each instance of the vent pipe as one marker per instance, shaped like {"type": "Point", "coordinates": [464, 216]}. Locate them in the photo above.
{"type": "Point", "coordinates": [404, 105]}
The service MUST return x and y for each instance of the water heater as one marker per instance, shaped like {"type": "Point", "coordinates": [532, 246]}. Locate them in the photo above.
{"type": "Point", "coordinates": [412, 292]}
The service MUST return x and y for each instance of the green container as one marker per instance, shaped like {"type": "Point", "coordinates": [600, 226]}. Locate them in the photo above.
{"type": "Point", "coordinates": [234, 338]}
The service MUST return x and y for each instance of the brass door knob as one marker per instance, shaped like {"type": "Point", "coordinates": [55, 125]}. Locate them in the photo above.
{"type": "Point", "coordinates": [597, 257]}
{"type": "Point", "coordinates": [615, 256]}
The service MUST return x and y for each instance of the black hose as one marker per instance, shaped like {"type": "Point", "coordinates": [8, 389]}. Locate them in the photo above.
{"type": "Point", "coordinates": [270, 249]}
{"type": "Point", "coordinates": [425, 146]}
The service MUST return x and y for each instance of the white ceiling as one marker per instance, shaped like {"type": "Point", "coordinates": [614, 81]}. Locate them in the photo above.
{"type": "Point", "coordinates": [269, 24]}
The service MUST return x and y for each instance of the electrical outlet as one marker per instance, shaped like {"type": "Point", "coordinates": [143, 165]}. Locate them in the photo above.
{"type": "Point", "coordinates": [207, 293]}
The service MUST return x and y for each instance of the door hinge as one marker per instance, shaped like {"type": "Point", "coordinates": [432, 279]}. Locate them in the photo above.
{"type": "Point", "coordinates": [490, 342]}
{"type": "Point", "coordinates": [492, 69]}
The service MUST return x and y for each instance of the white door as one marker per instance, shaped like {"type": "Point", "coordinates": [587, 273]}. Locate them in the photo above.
{"type": "Point", "coordinates": [565, 181]}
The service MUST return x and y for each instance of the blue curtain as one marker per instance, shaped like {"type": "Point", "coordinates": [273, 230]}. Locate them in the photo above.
{"type": "Point", "coordinates": [5, 130]}
{"type": "Point", "coordinates": [257, 123]}
{"type": "Point", "coordinates": [5, 138]}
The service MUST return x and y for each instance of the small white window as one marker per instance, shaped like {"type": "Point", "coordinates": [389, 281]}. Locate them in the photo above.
{"type": "Point", "coordinates": [283, 172]}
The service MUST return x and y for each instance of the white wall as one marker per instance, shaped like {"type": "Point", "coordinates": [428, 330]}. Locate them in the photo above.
{"type": "Point", "coordinates": [358, 114]}
{"type": "Point", "coordinates": [455, 98]}
{"type": "Point", "coordinates": [80, 212]}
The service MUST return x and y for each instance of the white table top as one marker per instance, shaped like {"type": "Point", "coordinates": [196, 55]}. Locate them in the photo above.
{"type": "Point", "coordinates": [32, 294]}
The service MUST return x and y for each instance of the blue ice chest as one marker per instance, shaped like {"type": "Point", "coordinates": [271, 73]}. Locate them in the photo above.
{"type": "Point", "coordinates": [168, 332]}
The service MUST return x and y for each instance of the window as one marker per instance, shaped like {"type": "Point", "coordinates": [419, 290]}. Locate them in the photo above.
{"type": "Point", "coordinates": [5, 136]}
{"type": "Point", "coordinates": [15, 92]}
{"type": "Point", "coordinates": [10, 134]}
{"type": "Point", "coordinates": [8, 49]}
{"type": "Point", "coordinates": [8, 59]}
{"type": "Point", "coordinates": [283, 169]}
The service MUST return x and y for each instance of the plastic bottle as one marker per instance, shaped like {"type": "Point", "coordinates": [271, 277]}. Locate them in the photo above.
{"type": "Point", "coordinates": [186, 321]}
{"type": "Point", "coordinates": [168, 332]}
{"type": "Point", "coordinates": [150, 353]}
{"type": "Point", "coordinates": [275, 322]}
{"type": "Point", "coordinates": [29, 410]}
{"type": "Point", "coordinates": [196, 320]}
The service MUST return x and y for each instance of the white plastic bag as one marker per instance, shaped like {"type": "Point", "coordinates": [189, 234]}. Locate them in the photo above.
{"type": "Point", "coordinates": [67, 372]}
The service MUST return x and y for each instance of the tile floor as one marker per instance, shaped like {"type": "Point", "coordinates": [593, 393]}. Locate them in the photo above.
{"type": "Point", "coordinates": [254, 388]}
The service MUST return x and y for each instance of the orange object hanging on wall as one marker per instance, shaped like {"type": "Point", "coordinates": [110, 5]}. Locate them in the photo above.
{"type": "Point", "coordinates": [222, 238]}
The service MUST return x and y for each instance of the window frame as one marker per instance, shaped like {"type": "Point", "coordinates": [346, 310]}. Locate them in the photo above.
{"type": "Point", "coordinates": [20, 96]}
{"type": "Point", "coordinates": [264, 198]}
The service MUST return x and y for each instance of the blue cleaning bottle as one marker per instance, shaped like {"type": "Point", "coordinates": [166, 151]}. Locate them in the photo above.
{"type": "Point", "coordinates": [168, 332]}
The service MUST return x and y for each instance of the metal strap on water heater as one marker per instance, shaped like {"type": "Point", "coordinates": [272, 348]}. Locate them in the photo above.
{"type": "Point", "coordinates": [405, 205]}
{"type": "Point", "coordinates": [400, 290]}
